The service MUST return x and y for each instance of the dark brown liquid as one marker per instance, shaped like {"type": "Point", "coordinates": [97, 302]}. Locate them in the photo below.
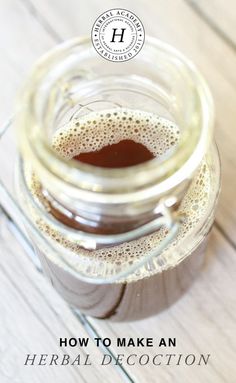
{"type": "Point", "coordinates": [126, 301]}
{"type": "Point", "coordinates": [125, 153]}
{"type": "Point", "coordinates": [121, 301]}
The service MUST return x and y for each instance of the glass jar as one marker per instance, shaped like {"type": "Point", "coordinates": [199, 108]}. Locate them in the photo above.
{"type": "Point", "coordinates": [118, 243]}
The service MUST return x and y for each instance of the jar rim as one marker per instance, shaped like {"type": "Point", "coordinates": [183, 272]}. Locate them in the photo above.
{"type": "Point", "coordinates": [155, 174]}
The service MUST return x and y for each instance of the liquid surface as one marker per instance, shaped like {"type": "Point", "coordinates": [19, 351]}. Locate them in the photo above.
{"type": "Point", "coordinates": [124, 153]}
{"type": "Point", "coordinates": [94, 133]}
{"type": "Point", "coordinates": [98, 131]}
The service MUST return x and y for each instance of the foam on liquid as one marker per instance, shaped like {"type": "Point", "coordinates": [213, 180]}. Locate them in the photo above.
{"type": "Point", "coordinates": [99, 129]}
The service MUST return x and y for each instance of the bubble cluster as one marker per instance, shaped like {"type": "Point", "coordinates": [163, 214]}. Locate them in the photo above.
{"type": "Point", "coordinates": [159, 135]}
{"type": "Point", "coordinates": [98, 129]}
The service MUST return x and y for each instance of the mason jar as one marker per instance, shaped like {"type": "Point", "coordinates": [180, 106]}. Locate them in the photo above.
{"type": "Point", "coordinates": [117, 243]}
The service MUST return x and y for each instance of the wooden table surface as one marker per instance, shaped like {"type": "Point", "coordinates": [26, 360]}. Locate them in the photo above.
{"type": "Point", "coordinates": [32, 316]}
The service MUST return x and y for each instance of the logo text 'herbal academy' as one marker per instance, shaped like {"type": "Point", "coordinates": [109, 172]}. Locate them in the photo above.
{"type": "Point", "coordinates": [118, 35]}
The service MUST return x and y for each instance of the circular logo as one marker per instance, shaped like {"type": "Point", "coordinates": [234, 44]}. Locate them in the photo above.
{"type": "Point", "coordinates": [118, 35]}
